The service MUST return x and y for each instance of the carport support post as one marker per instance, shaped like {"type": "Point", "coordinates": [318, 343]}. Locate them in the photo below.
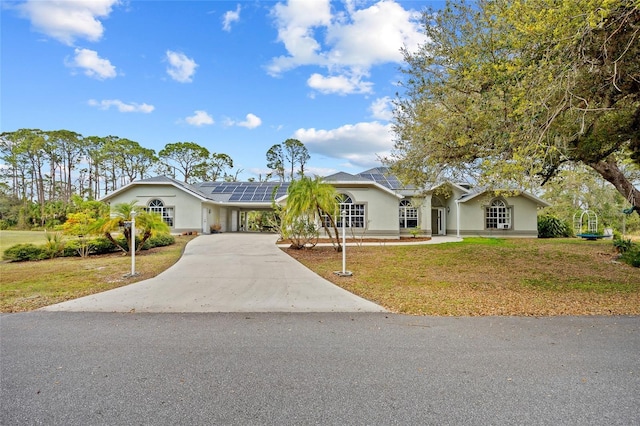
{"type": "Point", "coordinates": [133, 243]}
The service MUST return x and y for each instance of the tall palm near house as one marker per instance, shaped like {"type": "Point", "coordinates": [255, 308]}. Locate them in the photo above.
{"type": "Point", "coordinates": [307, 197]}
{"type": "Point", "coordinates": [147, 223]}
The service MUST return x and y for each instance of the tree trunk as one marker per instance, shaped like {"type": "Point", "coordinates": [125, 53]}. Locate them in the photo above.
{"type": "Point", "coordinates": [115, 243]}
{"type": "Point", "coordinates": [336, 245]}
{"type": "Point", "coordinates": [609, 170]}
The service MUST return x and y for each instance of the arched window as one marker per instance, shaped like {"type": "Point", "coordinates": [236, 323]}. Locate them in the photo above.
{"type": "Point", "coordinates": [498, 215]}
{"type": "Point", "coordinates": [355, 213]}
{"type": "Point", "coordinates": [408, 215]}
{"type": "Point", "coordinates": [157, 206]}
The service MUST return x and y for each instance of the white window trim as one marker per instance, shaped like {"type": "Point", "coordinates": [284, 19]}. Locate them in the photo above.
{"type": "Point", "coordinates": [503, 220]}
{"type": "Point", "coordinates": [406, 206]}
{"type": "Point", "coordinates": [166, 212]}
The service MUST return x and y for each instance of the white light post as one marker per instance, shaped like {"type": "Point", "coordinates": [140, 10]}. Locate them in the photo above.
{"type": "Point", "coordinates": [133, 243]}
{"type": "Point", "coordinates": [344, 272]}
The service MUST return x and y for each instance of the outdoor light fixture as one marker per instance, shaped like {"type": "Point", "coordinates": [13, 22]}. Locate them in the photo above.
{"type": "Point", "coordinates": [132, 224]}
{"type": "Point", "coordinates": [344, 272]}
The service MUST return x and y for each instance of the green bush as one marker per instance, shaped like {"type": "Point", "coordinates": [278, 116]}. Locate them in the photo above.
{"type": "Point", "coordinates": [102, 245]}
{"type": "Point", "coordinates": [70, 249]}
{"type": "Point", "coordinates": [99, 245]}
{"type": "Point", "coordinates": [54, 246]}
{"type": "Point", "coordinates": [4, 224]}
{"type": "Point", "coordinates": [23, 252]}
{"type": "Point", "coordinates": [159, 240]}
{"type": "Point", "coordinates": [552, 227]}
{"type": "Point", "coordinates": [632, 256]}
{"type": "Point", "coordinates": [622, 245]}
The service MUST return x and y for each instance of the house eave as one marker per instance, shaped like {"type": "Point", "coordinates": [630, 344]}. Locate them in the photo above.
{"type": "Point", "coordinates": [143, 183]}
{"type": "Point", "coordinates": [531, 197]}
{"type": "Point", "coordinates": [362, 184]}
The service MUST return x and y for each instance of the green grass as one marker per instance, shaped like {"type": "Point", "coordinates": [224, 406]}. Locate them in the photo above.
{"type": "Point", "coordinates": [488, 276]}
{"type": "Point", "coordinates": [26, 286]}
{"type": "Point", "coordinates": [11, 238]}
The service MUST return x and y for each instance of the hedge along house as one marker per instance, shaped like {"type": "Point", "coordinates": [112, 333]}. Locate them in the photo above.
{"type": "Point", "coordinates": [376, 204]}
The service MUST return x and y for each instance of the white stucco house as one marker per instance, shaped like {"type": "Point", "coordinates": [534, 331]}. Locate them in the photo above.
{"type": "Point", "coordinates": [377, 205]}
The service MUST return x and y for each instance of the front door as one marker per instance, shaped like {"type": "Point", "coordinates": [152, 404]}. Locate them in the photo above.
{"type": "Point", "coordinates": [438, 226]}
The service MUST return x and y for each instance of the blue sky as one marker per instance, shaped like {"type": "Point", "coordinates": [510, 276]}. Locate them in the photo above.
{"type": "Point", "coordinates": [234, 76]}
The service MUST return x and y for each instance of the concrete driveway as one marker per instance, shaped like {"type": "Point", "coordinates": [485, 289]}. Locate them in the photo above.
{"type": "Point", "coordinates": [227, 273]}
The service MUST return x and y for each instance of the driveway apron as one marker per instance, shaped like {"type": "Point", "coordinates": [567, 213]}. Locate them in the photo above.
{"type": "Point", "coordinates": [229, 272]}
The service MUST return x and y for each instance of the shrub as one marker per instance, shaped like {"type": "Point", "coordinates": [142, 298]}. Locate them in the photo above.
{"type": "Point", "coordinates": [552, 227]}
{"type": "Point", "coordinates": [302, 233]}
{"type": "Point", "coordinates": [158, 240]}
{"type": "Point", "coordinates": [70, 249]}
{"type": "Point", "coordinates": [22, 252]}
{"type": "Point", "coordinates": [98, 245]}
{"type": "Point", "coordinates": [4, 224]}
{"type": "Point", "coordinates": [632, 256]}
{"type": "Point", "coordinates": [415, 232]}
{"type": "Point", "coordinates": [102, 245]}
{"type": "Point", "coordinates": [622, 245]}
{"type": "Point", "coordinates": [54, 246]}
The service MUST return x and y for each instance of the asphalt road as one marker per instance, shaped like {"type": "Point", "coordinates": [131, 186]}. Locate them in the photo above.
{"type": "Point", "coordinates": [74, 368]}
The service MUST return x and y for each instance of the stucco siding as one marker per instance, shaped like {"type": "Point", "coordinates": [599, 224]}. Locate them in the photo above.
{"type": "Point", "coordinates": [523, 217]}
{"type": "Point", "coordinates": [381, 209]}
{"type": "Point", "coordinates": [187, 208]}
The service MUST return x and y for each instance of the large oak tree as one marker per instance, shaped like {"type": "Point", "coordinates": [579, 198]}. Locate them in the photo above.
{"type": "Point", "coordinates": [512, 91]}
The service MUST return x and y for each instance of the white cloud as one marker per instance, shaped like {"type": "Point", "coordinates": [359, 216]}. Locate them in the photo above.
{"type": "Point", "coordinates": [296, 22]}
{"type": "Point", "coordinates": [382, 109]}
{"type": "Point", "coordinates": [181, 68]}
{"type": "Point", "coordinates": [347, 44]}
{"type": "Point", "coordinates": [340, 84]}
{"type": "Point", "coordinates": [374, 35]}
{"type": "Point", "coordinates": [93, 65]}
{"type": "Point", "coordinates": [251, 122]}
{"type": "Point", "coordinates": [229, 17]}
{"type": "Point", "coordinates": [68, 20]}
{"type": "Point", "coordinates": [361, 144]}
{"type": "Point", "coordinates": [121, 106]}
{"type": "Point", "coordinates": [199, 118]}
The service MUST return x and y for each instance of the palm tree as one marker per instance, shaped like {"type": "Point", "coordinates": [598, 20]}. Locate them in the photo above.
{"type": "Point", "coordinates": [307, 197]}
{"type": "Point", "coordinates": [121, 213]}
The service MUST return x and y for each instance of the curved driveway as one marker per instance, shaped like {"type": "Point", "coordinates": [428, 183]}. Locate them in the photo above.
{"type": "Point", "coordinates": [227, 273]}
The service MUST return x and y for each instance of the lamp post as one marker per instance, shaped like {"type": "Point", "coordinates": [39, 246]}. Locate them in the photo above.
{"type": "Point", "coordinates": [344, 272]}
{"type": "Point", "coordinates": [133, 243]}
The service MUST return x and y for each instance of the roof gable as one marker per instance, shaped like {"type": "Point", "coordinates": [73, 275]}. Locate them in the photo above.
{"type": "Point", "coordinates": [470, 196]}
{"type": "Point", "coordinates": [343, 177]}
{"type": "Point", "coordinates": [159, 180]}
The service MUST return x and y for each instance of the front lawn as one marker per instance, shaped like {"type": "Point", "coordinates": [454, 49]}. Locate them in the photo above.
{"type": "Point", "coordinates": [483, 276]}
{"type": "Point", "coordinates": [25, 286]}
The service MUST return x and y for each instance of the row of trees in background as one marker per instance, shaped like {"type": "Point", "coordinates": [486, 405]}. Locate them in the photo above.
{"type": "Point", "coordinates": [42, 171]}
